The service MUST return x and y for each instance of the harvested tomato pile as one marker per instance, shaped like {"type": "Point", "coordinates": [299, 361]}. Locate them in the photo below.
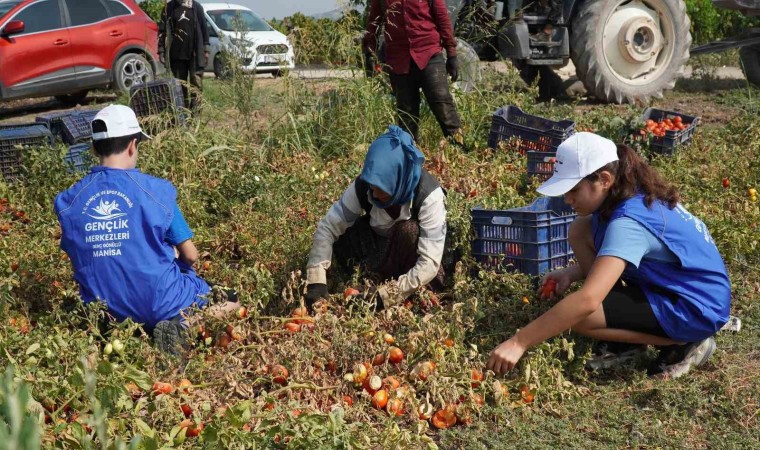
{"type": "Point", "coordinates": [663, 126]}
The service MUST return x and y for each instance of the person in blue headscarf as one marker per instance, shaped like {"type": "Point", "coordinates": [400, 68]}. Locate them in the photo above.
{"type": "Point", "coordinates": [391, 220]}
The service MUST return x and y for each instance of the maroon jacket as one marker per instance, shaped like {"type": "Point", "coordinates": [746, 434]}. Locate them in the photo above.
{"type": "Point", "coordinates": [413, 31]}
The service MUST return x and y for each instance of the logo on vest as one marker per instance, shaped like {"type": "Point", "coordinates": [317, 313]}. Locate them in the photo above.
{"type": "Point", "coordinates": [110, 227]}
{"type": "Point", "coordinates": [105, 210]}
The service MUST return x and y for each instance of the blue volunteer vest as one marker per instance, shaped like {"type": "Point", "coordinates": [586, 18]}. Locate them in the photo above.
{"type": "Point", "coordinates": [692, 300]}
{"type": "Point", "coordinates": [114, 224]}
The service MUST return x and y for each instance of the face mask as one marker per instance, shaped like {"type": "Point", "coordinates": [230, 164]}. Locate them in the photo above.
{"type": "Point", "coordinates": [187, 3]}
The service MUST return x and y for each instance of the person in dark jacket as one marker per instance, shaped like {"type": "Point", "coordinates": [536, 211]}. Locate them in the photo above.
{"type": "Point", "coordinates": [415, 34]}
{"type": "Point", "coordinates": [183, 43]}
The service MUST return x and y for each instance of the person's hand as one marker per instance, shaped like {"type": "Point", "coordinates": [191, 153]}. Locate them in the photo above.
{"type": "Point", "coordinates": [315, 292]}
{"type": "Point", "coordinates": [369, 65]}
{"type": "Point", "coordinates": [505, 356]}
{"type": "Point", "coordinates": [554, 284]}
{"type": "Point", "coordinates": [452, 68]}
{"type": "Point", "coordinates": [205, 58]}
{"type": "Point", "coordinates": [161, 57]}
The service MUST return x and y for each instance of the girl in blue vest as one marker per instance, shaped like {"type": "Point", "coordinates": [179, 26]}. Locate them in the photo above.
{"type": "Point", "coordinates": [651, 272]}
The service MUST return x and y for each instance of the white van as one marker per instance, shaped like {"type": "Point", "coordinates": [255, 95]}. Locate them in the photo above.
{"type": "Point", "coordinates": [236, 30]}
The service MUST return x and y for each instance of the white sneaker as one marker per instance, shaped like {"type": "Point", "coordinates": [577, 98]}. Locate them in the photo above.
{"type": "Point", "coordinates": [676, 360]}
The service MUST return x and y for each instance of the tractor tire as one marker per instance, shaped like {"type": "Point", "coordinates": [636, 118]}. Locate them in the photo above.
{"type": "Point", "coordinates": [628, 51]}
{"type": "Point", "coordinates": [750, 57]}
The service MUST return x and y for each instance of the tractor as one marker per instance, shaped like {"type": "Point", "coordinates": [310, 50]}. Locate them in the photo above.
{"type": "Point", "coordinates": [623, 50]}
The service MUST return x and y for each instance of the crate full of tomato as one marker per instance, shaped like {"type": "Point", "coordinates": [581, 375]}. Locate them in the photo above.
{"type": "Point", "coordinates": [669, 130]}
{"type": "Point", "coordinates": [530, 239]}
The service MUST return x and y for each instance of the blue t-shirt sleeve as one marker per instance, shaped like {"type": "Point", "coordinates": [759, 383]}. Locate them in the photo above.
{"type": "Point", "coordinates": [179, 231]}
{"type": "Point", "coordinates": [628, 240]}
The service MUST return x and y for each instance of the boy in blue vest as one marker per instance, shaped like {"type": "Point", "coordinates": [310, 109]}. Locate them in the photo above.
{"type": "Point", "coordinates": [121, 227]}
{"type": "Point", "coordinates": [652, 273]}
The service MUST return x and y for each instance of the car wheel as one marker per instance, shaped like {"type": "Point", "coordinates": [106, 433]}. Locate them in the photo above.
{"type": "Point", "coordinates": [277, 73]}
{"type": "Point", "coordinates": [130, 70]}
{"type": "Point", "coordinates": [72, 99]}
{"type": "Point", "coordinates": [221, 68]}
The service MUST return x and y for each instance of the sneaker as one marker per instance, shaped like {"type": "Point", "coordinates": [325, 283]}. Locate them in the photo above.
{"type": "Point", "coordinates": [613, 354]}
{"type": "Point", "coordinates": [168, 337]}
{"type": "Point", "coordinates": [676, 360]}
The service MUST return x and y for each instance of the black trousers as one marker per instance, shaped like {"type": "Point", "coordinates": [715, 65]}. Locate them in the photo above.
{"type": "Point", "coordinates": [434, 83]}
{"type": "Point", "coordinates": [184, 70]}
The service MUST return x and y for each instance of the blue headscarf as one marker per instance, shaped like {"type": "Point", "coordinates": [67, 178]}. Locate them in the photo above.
{"type": "Point", "coordinates": [393, 164]}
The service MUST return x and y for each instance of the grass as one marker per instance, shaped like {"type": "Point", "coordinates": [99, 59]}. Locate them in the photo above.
{"type": "Point", "coordinates": [255, 172]}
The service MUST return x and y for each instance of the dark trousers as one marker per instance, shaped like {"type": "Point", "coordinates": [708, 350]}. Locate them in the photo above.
{"type": "Point", "coordinates": [184, 70]}
{"type": "Point", "coordinates": [434, 83]}
{"type": "Point", "coordinates": [388, 257]}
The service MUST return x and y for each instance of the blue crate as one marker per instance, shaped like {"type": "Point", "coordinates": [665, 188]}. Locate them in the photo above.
{"type": "Point", "coordinates": [76, 128]}
{"type": "Point", "coordinates": [668, 144]}
{"type": "Point", "coordinates": [534, 133]}
{"type": "Point", "coordinates": [531, 239]}
{"type": "Point", "coordinates": [15, 126]}
{"type": "Point", "coordinates": [13, 141]}
{"type": "Point", "coordinates": [54, 121]}
{"type": "Point", "coordinates": [541, 164]}
{"type": "Point", "coordinates": [159, 97]}
{"type": "Point", "coordinates": [78, 158]}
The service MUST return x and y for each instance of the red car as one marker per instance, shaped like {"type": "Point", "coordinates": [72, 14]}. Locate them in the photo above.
{"type": "Point", "coordinates": [64, 48]}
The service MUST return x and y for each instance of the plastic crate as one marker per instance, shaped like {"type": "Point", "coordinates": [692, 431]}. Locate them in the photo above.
{"type": "Point", "coordinates": [15, 126]}
{"type": "Point", "coordinates": [54, 121]}
{"type": "Point", "coordinates": [78, 158]}
{"type": "Point", "coordinates": [534, 133]}
{"type": "Point", "coordinates": [541, 164]}
{"type": "Point", "coordinates": [532, 239]}
{"type": "Point", "coordinates": [12, 142]}
{"type": "Point", "coordinates": [76, 128]}
{"type": "Point", "coordinates": [669, 143]}
{"type": "Point", "coordinates": [157, 97]}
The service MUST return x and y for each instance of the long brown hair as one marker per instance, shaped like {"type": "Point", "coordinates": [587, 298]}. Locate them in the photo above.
{"type": "Point", "coordinates": [634, 175]}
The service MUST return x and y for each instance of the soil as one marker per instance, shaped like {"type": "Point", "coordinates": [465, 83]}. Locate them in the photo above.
{"type": "Point", "coordinates": [691, 96]}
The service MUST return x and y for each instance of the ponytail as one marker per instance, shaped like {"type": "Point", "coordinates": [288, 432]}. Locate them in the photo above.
{"type": "Point", "coordinates": [633, 175]}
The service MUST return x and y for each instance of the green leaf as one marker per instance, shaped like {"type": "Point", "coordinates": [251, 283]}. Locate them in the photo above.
{"type": "Point", "coordinates": [32, 348]}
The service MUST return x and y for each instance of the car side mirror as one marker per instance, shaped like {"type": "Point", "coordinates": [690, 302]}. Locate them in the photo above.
{"type": "Point", "coordinates": [13, 27]}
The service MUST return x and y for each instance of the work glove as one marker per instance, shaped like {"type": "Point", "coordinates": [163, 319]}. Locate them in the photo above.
{"type": "Point", "coordinates": [452, 68]}
{"type": "Point", "coordinates": [314, 293]}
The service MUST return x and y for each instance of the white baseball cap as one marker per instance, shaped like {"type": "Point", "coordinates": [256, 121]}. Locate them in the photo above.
{"type": "Point", "coordinates": [578, 156]}
{"type": "Point", "coordinates": [120, 121]}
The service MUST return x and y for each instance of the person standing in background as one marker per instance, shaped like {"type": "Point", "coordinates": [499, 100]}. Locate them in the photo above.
{"type": "Point", "coordinates": [183, 43]}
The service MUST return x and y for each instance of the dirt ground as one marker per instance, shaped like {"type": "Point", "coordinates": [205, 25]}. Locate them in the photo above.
{"type": "Point", "coordinates": [693, 96]}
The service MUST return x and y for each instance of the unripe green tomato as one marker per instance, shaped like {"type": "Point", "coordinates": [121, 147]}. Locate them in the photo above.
{"type": "Point", "coordinates": [108, 349]}
{"type": "Point", "coordinates": [118, 345]}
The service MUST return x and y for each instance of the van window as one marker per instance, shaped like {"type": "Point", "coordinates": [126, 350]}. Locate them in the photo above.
{"type": "Point", "coordinates": [238, 20]}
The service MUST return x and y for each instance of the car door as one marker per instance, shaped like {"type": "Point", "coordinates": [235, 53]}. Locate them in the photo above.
{"type": "Point", "coordinates": [95, 39]}
{"type": "Point", "coordinates": [37, 61]}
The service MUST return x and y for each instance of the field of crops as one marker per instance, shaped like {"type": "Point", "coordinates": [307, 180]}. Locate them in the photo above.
{"type": "Point", "coordinates": [255, 171]}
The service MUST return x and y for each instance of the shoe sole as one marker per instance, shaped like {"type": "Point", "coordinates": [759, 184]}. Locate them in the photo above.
{"type": "Point", "coordinates": [167, 339]}
{"type": "Point", "coordinates": [695, 358]}
{"type": "Point", "coordinates": [613, 361]}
